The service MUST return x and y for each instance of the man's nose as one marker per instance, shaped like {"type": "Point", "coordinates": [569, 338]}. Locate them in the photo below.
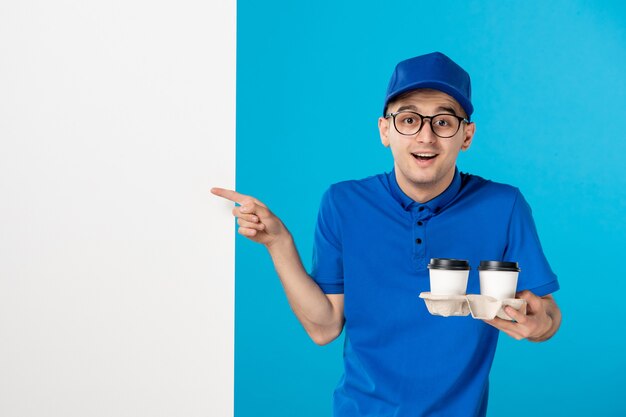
{"type": "Point", "coordinates": [426, 133]}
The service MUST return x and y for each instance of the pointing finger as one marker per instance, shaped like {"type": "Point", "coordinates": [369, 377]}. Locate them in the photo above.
{"type": "Point", "coordinates": [234, 196]}
{"type": "Point", "coordinates": [231, 195]}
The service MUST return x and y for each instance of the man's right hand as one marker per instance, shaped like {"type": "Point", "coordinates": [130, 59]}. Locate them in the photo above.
{"type": "Point", "coordinates": [320, 314]}
{"type": "Point", "coordinates": [255, 220]}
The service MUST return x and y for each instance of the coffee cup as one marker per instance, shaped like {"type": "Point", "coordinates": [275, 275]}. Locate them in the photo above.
{"type": "Point", "coordinates": [498, 279]}
{"type": "Point", "coordinates": [448, 276]}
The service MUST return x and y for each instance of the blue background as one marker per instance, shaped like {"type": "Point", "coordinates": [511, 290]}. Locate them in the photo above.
{"type": "Point", "coordinates": [550, 100]}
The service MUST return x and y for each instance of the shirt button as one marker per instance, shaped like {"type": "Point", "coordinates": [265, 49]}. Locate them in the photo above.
{"type": "Point", "coordinates": [418, 241]}
{"type": "Point", "coordinates": [420, 223]}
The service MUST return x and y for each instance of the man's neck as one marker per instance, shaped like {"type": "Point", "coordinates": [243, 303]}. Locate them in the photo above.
{"type": "Point", "coordinates": [423, 193]}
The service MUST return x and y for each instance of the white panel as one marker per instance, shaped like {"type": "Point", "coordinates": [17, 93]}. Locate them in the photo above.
{"type": "Point", "coordinates": [116, 263]}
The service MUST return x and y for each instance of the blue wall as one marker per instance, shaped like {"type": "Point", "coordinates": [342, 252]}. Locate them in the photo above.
{"type": "Point", "coordinates": [550, 100]}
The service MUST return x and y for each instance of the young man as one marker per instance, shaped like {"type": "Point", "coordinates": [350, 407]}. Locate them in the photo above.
{"type": "Point", "coordinates": [374, 239]}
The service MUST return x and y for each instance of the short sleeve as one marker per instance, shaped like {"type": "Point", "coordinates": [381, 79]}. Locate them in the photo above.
{"type": "Point", "coordinates": [524, 247]}
{"type": "Point", "coordinates": [327, 266]}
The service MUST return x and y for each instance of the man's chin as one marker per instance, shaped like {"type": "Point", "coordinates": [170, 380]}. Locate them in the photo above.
{"type": "Point", "coordinates": [422, 175]}
{"type": "Point", "coordinates": [423, 181]}
{"type": "Point", "coordinates": [426, 178]}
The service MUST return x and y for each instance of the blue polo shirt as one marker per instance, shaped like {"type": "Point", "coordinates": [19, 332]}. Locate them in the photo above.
{"type": "Point", "coordinates": [373, 243]}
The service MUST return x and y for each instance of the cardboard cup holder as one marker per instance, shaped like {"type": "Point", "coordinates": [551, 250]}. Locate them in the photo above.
{"type": "Point", "coordinates": [481, 307]}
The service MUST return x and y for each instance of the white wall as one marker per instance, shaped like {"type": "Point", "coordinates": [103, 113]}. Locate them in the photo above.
{"type": "Point", "coordinates": [116, 264]}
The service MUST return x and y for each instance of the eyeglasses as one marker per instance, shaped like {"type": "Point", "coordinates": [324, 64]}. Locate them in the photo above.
{"type": "Point", "coordinates": [410, 123]}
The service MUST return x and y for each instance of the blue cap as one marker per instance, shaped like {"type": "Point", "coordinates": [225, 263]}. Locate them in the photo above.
{"type": "Point", "coordinates": [436, 71]}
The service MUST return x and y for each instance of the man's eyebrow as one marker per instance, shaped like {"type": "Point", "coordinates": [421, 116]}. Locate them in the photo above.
{"type": "Point", "coordinates": [446, 109]}
{"type": "Point", "coordinates": [407, 107]}
{"type": "Point", "coordinates": [438, 110]}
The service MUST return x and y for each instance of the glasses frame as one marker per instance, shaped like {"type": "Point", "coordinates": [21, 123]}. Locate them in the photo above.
{"type": "Point", "coordinates": [430, 122]}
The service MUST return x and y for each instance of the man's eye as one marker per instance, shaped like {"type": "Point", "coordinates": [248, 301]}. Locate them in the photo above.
{"type": "Point", "coordinates": [408, 120]}
{"type": "Point", "coordinates": [442, 123]}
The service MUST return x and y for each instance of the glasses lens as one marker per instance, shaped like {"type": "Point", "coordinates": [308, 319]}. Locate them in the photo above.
{"type": "Point", "coordinates": [408, 123]}
{"type": "Point", "coordinates": [445, 125]}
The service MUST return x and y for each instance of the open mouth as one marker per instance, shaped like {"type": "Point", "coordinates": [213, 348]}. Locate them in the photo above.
{"type": "Point", "coordinates": [424, 156]}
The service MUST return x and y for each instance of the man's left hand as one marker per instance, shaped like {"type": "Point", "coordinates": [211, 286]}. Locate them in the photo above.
{"type": "Point", "coordinates": [541, 321]}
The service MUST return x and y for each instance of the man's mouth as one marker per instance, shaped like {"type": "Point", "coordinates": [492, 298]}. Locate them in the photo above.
{"type": "Point", "coordinates": [424, 156]}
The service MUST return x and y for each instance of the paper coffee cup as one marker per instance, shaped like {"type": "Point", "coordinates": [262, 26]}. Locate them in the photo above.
{"type": "Point", "coordinates": [448, 276]}
{"type": "Point", "coordinates": [498, 279]}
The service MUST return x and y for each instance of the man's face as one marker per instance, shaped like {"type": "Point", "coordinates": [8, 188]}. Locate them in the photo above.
{"type": "Point", "coordinates": [424, 162]}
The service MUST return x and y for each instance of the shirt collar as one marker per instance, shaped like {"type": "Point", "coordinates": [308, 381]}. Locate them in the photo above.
{"type": "Point", "coordinates": [434, 204]}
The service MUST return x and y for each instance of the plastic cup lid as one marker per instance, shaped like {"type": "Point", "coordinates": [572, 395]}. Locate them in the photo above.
{"type": "Point", "coordinates": [498, 266]}
{"type": "Point", "coordinates": [447, 263]}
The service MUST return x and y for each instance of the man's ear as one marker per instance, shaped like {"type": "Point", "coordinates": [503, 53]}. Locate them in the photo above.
{"type": "Point", "coordinates": [468, 135]}
{"type": "Point", "coordinates": [383, 129]}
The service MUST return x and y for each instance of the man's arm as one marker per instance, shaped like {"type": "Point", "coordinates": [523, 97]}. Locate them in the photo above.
{"type": "Point", "coordinates": [321, 314]}
{"type": "Point", "coordinates": [541, 321]}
